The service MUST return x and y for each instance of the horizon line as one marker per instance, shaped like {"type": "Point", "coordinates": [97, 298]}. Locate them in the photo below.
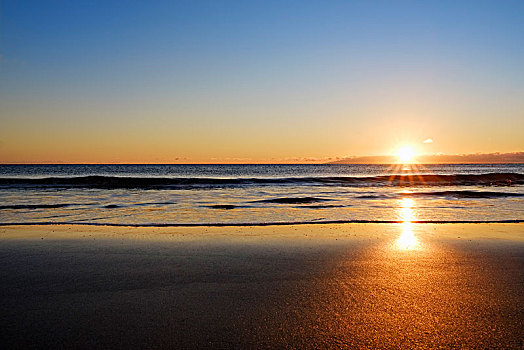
{"type": "Point", "coordinates": [468, 158]}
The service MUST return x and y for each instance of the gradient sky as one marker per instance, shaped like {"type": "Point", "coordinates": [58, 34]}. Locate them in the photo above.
{"type": "Point", "coordinates": [249, 81]}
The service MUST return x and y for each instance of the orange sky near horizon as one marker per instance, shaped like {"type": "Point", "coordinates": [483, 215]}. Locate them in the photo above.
{"type": "Point", "coordinates": [34, 134]}
{"type": "Point", "coordinates": [131, 139]}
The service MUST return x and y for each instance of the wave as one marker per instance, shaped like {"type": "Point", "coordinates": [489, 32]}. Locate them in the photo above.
{"type": "Point", "coordinates": [224, 206]}
{"type": "Point", "coordinates": [36, 206]}
{"type": "Point", "coordinates": [276, 223]}
{"type": "Point", "coordinates": [448, 194]}
{"type": "Point", "coordinates": [321, 206]}
{"type": "Point", "coordinates": [373, 196]}
{"type": "Point", "coordinates": [118, 182]}
{"type": "Point", "coordinates": [154, 203]}
{"type": "Point", "coordinates": [463, 194]}
{"type": "Point", "coordinates": [293, 200]}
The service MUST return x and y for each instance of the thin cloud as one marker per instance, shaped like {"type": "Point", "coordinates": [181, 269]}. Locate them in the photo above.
{"type": "Point", "coordinates": [439, 158]}
{"type": "Point", "coordinates": [428, 141]}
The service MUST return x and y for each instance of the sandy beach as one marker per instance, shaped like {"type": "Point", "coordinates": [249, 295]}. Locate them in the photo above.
{"type": "Point", "coordinates": [303, 286]}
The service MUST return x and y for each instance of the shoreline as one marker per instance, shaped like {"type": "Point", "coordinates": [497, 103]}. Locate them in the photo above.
{"type": "Point", "coordinates": [313, 231]}
{"type": "Point", "coordinates": [263, 224]}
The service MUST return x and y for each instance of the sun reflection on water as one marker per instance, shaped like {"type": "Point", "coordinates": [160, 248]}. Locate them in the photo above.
{"type": "Point", "coordinates": [407, 239]}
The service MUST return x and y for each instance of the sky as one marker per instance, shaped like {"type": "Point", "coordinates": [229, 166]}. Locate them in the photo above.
{"type": "Point", "coordinates": [258, 81]}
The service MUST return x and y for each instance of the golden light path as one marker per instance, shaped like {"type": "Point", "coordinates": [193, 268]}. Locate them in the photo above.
{"type": "Point", "coordinates": [407, 239]}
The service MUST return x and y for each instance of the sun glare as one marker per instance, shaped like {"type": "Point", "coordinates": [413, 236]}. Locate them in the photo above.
{"type": "Point", "coordinates": [406, 154]}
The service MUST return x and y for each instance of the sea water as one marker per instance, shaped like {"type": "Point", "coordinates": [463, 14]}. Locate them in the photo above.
{"type": "Point", "coordinates": [259, 194]}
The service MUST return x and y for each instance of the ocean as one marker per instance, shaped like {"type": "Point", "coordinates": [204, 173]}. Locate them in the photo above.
{"type": "Point", "coordinates": [180, 195]}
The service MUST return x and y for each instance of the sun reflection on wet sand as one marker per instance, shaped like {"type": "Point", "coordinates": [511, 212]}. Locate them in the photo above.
{"type": "Point", "coordinates": [406, 213]}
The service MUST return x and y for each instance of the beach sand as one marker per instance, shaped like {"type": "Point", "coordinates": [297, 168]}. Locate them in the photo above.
{"type": "Point", "coordinates": [304, 286]}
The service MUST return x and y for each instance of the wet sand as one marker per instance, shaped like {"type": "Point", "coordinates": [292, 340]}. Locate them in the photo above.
{"type": "Point", "coordinates": [305, 286]}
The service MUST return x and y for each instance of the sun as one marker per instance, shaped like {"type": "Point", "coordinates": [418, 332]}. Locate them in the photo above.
{"type": "Point", "coordinates": [406, 155]}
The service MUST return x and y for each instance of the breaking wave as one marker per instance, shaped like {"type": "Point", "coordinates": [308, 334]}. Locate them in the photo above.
{"type": "Point", "coordinates": [119, 182]}
{"type": "Point", "coordinates": [463, 194]}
